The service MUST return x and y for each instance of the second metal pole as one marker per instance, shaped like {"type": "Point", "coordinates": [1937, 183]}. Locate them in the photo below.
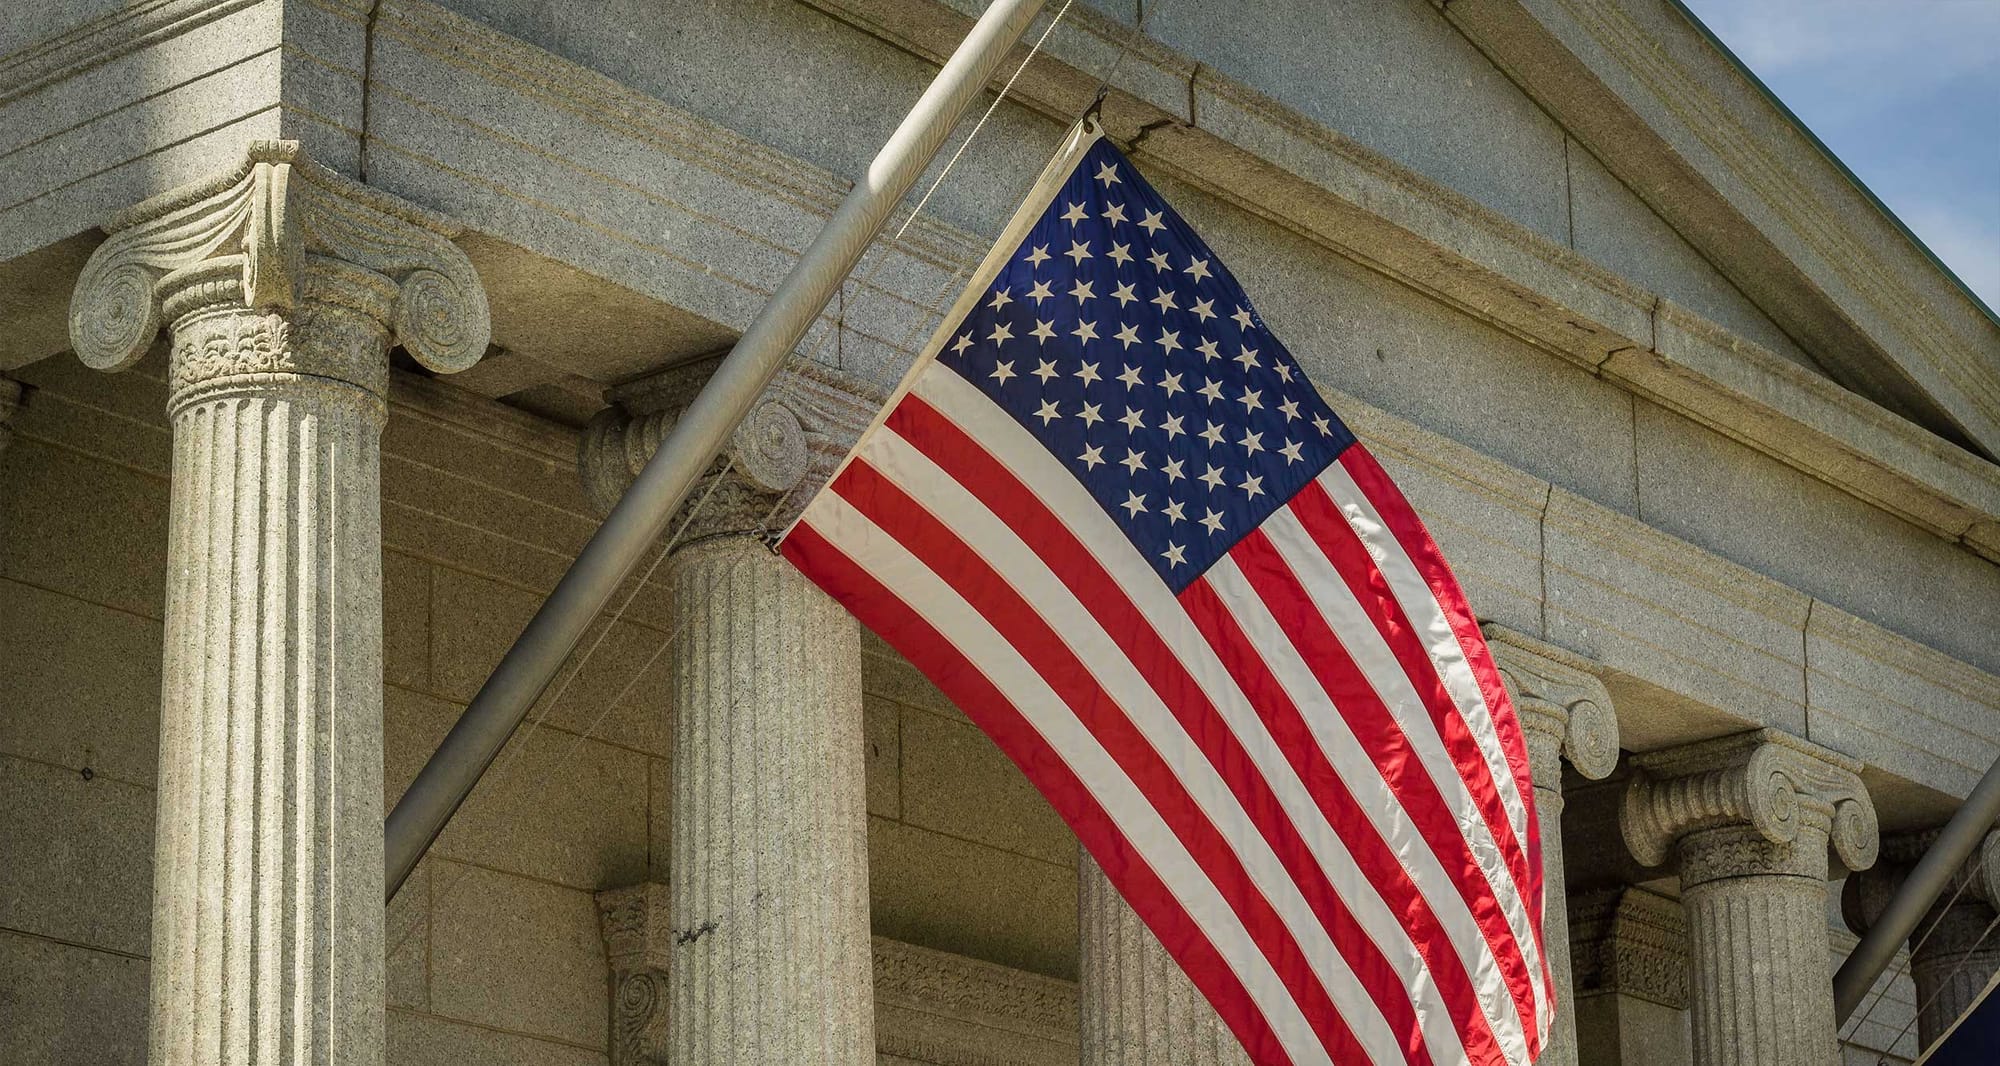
{"type": "Point", "coordinates": [642, 515]}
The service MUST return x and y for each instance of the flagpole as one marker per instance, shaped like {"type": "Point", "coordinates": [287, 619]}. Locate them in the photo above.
{"type": "Point", "coordinates": [697, 437]}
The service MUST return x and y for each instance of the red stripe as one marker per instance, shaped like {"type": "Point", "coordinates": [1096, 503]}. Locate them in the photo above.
{"type": "Point", "coordinates": [1343, 549]}
{"type": "Point", "coordinates": [945, 444]}
{"type": "Point", "coordinates": [1376, 859]}
{"type": "Point", "coordinates": [882, 611]}
{"type": "Point", "coordinates": [1416, 541]}
{"type": "Point", "coordinates": [994, 598]}
{"type": "Point", "coordinates": [1357, 702]}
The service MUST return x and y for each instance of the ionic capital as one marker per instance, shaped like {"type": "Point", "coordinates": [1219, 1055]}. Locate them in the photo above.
{"type": "Point", "coordinates": [781, 453]}
{"type": "Point", "coordinates": [1563, 706]}
{"type": "Point", "coordinates": [1787, 797]}
{"type": "Point", "coordinates": [279, 266]}
{"type": "Point", "coordinates": [638, 939]}
{"type": "Point", "coordinates": [1976, 883]}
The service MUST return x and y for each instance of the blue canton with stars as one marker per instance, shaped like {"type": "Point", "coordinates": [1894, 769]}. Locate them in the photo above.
{"type": "Point", "coordinates": [1124, 345]}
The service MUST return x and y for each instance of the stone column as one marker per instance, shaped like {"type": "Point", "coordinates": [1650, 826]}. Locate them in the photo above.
{"type": "Point", "coordinates": [1958, 956]}
{"type": "Point", "coordinates": [1137, 1006]}
{"type": "Point", "coordinates": [770, 960]}
{"type": "Point", "coordinates": [1564, 711]}
{"type": "Point", "coordinates": [1748, 819]}
{"type": "Point", "coordinates": [284, 286]}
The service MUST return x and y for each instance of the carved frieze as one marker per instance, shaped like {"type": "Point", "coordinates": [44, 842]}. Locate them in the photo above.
{"type": "Point", "coordinates": [1630, 942]}
{"type": "Point", "coordinates": [1786, 791]}
{"type": "Point", "coordinates": [637, 938]}
{"type": "Point", "coordinates": [942, 1009]}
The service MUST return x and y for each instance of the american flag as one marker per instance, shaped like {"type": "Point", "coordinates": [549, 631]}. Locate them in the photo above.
{"type": "Point", "coordinates": [1109, 516]}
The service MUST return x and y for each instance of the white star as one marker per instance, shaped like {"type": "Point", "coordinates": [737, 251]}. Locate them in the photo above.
{"type": "Point", "coordinates": [1212, 477]}
{"type": "Point", "coordinates": [1123, 293]}
{"type": "Point", "coordinates": [964, 341]}
{"type": "Point", "coordinates": [1173, 426]}
{"type": "Point", "coordinates": [1128, 333]}
{"type": "Point", "coordinates": [1291, 452]}
{"type": "Point", "coordinates": [1083, 290]}
{"type": "Point", "coordinates": [1092, 457]}
{"type": "Point", "coordinates": [1170, 341]}
{"type": "Point", "coordinates": [1075, 214]}
{"type": "Point", "coordinates": [1211, 388]}
{"type": "Point", "coordinates": [1114, 213]}
{"type": "Point", "coordinates": [1165, 298]}
{"type": "Point", "coordinates": [1252, 442]}
{"type": "Point", "coordinates": [1159, 260]}
{"type": "Point", "coordinates": [1088, 372]}
{"type": "Point", "coordinates": [1046, 370]}
{"type": "Point", "coordinates": [1207, 350]}
{"type": "Point", "coordinates": [1151, 223]}
{"type": "Point", "coordinates": [1120, 254]}
{"type": "Point", "coordinates": [1003, 371]}
{"type": "Point", "coordinates": [1001, 332]}
{"type": "Point", "coordinates": [1175, 511]}
{"type": "Point", "coordinates": [1134, 420]}
{"type": "Point", "coordinates": [1248, 357]}
{"type": "Point", "coordinates": [1134, 504]}
{"type": "Point", "coordinates": [1242, 316]}
{"type": "Point", "coordinates": [1250, 400]}
{"type": "Point", "coordinates": [1130, 376]}
{"type": "Point", "coordinates": [1284, 370]}
{"type": "Point", "coordinates": [1213, 521]}
{"type": "Point", "coordinates": [1213, 434]}
{"type": "Point", "coordinates": [1173, 470]}
{"type": "Point", "coordinates": [1291, 409]}
{"type": "Point", "coordinates": [1134, 461]}
{"type": "Point", "coordinates": [1198, 268]}
{"type": "Point", "coordinates": [1252, 487]}
{"type": "Point", "coordinates": [1085, 331]}
{"type": "Point", "coordinates": [1175, 555]}
{"type": "Point", "coordinates": [1320, 423]}
{"type": "Point", "coordinates": [1089, 414]}
{"type": "Point", "coordinates": [1172, 383]}
{"type": "Point", "coordinates": [1040, 292]}
{"type": "Point", "coordinates": [1048, 412]}
{"type": "Point", "coordinates": [1078, 251]}
{"type": "Point", "coordinates": [1039, 256]}
{"type": "Point", "coordinates": [1001, 299]}
{"type": "Point", "coordinates": [1043, 331]}
{"type": "Point", "coordinates": [1204, 309]}
{"type": "Point", "coordinates": [1107, 174]}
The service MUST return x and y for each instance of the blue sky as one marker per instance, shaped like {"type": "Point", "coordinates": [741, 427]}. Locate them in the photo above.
{"type": "Point", "coordinates": [1906, 93]}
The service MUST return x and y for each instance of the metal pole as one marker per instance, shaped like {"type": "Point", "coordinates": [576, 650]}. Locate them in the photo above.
{"type": "Point", "coordinates": [642, 515]}
{"type": "Point", "coordinates": [1927, 880]}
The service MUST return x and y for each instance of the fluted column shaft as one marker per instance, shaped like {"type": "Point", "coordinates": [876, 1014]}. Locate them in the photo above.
{"type": "Point", "coordinates": [282, 284]}
{"type": "Point", "coordinates": [1138, 1008]}
{"type": "Point", "coordinates": [1956, 948]}
{"type": "Point", "coordinates": [267, 921]}
{"type": "Point", "coordinates": [1749, 820]}
{"type": "Point", "coordinates": [1564, 711]}
{"type": "Point", "coordinates": [769, 877]}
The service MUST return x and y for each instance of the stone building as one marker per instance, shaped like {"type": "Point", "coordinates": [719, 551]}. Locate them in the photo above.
{"type": "Point", "coordinates": [1708, 437]}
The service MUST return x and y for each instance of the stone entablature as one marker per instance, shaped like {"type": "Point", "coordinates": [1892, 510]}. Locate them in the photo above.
{"type": "Point", "coordinates": [942, 1009]}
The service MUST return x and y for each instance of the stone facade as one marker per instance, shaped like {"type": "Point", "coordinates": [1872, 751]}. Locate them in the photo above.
{"type": "Point", "coordinates": [404, 293]}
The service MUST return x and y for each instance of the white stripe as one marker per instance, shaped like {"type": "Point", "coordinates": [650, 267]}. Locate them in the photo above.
{"type": "Point", "coordinates": [1078, 628]}
{"type": "Point", "coordinates": [916, 586]}
{"type": "Point", "coordinates": [1371, 790]}
{"type": "Point", "coordinates": [1358, 635]}
{"type": "Point", "coordinates": [1428, 619]}
{"type": "Point", "coordinates": [1059, 491]}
